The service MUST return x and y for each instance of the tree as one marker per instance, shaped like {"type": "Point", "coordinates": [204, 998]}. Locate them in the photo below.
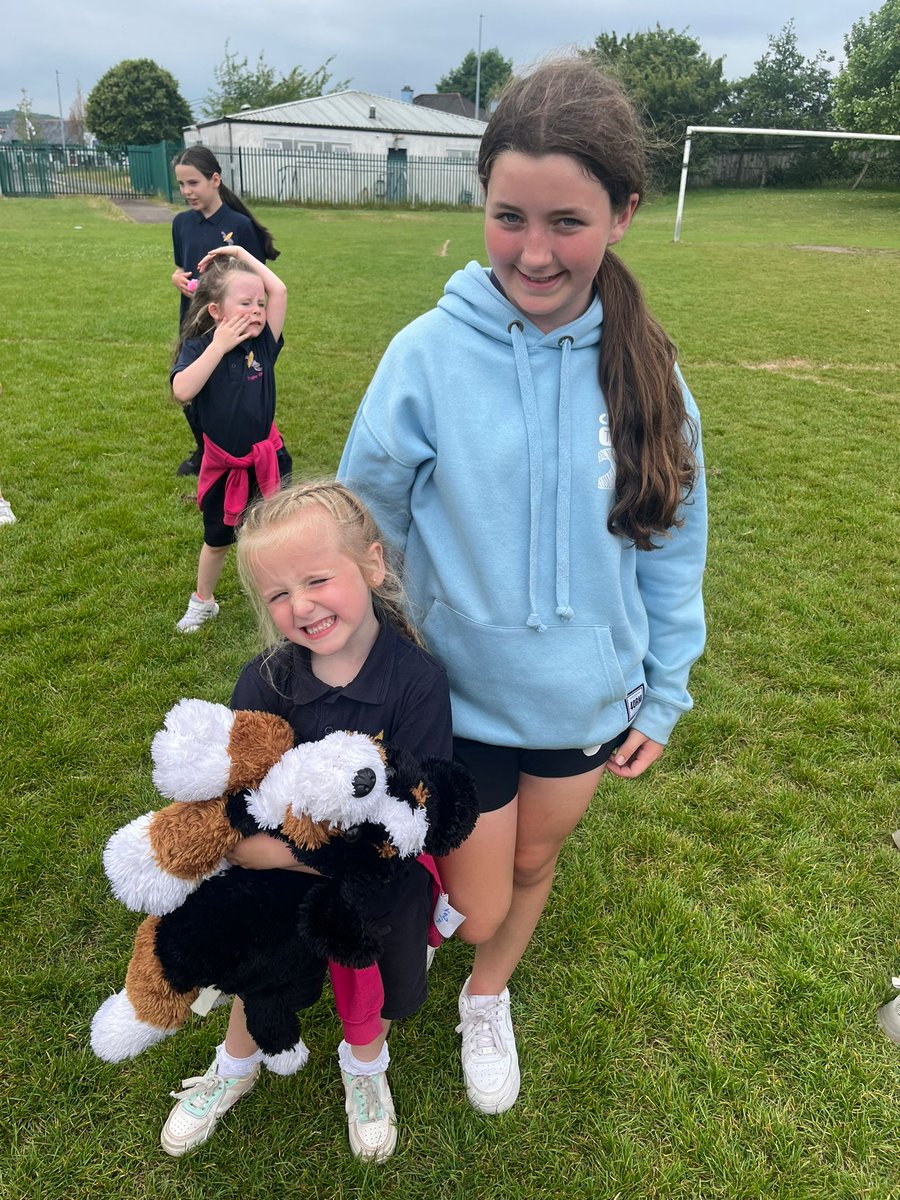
{"type": "Point", "coordinates": [495, 70]}
{"type": "Point", "coordinates": [22, 123]}
{"type": "Point", "coordinates": [240, 86]}
{"type": "Point", "coordinates": [672, 81]}
{"type": "Point", "coordinates": [786, 90]}
{"type": "Point", "coordinates": [867, 90]}
{"type": "Point", "coordinates": [75, 120]}
{"type": "Point", "coordinates": [136, 102]}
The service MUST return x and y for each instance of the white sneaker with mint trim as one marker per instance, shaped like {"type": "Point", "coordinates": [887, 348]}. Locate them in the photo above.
{"type": "Point", "coordinates": [197, 612]}
{"type": "Point", "coordinates": [205, 1098]}
{"type": "Point", "coordinates": [490, 1063]}
{"type": "Point", "coordinates": [7, 516]}
{"type": "Point", "coordinates": [371, 1122]}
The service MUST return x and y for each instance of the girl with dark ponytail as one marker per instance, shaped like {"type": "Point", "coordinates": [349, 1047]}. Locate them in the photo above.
{"type": "Point", "coordinates": [530, 450]}
{"type": "Point", "coordinates": [216, 217]}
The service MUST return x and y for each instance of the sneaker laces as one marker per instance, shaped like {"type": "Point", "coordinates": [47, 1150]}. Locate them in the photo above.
{"type": "Point", "coordinates": [481, 1032]}
{"type": "Point", "coordinates": [365, 1096]}
{"type": "Point", "coordinates": [198, 1087]}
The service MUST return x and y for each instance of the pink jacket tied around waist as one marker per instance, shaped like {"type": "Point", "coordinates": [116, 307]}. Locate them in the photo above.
{"type": "Point", "coordinates": [263, 459]}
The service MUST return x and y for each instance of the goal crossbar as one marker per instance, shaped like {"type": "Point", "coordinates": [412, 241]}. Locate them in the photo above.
{"type": "Point", "coordinates": [834, 134]}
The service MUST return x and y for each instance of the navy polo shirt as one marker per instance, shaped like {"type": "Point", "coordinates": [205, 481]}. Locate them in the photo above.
{"type": "Point", "coordinates": [193, 236]}
{"type": "Point", "coordinates": [236, 405]}
{"type": "Point", "coordinates": [401, 694]}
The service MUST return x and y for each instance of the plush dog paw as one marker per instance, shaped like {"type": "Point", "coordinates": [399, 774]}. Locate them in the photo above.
{"type": "Point", "coordinates": [288, 1062]}
{"type": "Point", "coordinates": [118, 1033]}
{"type": "Point", "coordinates": [135, 876]}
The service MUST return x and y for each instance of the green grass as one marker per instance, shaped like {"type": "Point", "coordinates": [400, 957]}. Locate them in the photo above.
{"type": "Point", "coordinates": [696, 1012]}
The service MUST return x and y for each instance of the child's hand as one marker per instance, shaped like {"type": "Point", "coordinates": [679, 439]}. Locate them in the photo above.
{"type": "Point", "coordinates": [259, 852]}
{"type": "Point", "coordinates": [232, 332]}
{"type": "Point", "coordinates": [180, 279]}
{"type": "Point", "coordinates": [634, 756]}
{"type": "Point", "coordinates": [223, 252]}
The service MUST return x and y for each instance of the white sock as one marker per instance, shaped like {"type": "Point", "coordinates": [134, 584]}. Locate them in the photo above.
{"type": "Point", "coordinates": [235, 1068]}
{"type": "Point", "coordinates": [351, 1065]}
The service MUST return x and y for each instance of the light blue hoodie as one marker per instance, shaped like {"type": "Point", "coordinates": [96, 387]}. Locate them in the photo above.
{"type": "Point", "coordinates": [482, 447]}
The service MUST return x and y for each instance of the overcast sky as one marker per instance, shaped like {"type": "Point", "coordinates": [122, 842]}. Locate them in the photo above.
{"type": "Point", "coordinates": [379, 46]}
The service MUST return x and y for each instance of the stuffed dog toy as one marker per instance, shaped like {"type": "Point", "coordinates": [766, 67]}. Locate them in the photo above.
{"type": "Point", "coordinates": [349, 808]}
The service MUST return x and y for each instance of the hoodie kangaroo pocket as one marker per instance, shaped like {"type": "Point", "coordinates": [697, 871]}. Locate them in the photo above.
{"type": "Point", "coordinates": [514, 686]}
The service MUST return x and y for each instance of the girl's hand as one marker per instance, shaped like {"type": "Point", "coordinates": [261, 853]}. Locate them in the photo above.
{"type": "Point", "coordinates": [232, 332]}
{"type": "Point", "coordinates": [180, 279]}
{"type": "Point", "coordinates": [263, 853]}
{"type": "Point", "coordinates": [634, 756]}
{"type": "Point", "coordinates": [223, 252]}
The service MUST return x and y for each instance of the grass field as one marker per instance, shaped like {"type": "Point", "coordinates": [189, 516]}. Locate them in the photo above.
{"type": "Point", "coordinates": [696, 1014]}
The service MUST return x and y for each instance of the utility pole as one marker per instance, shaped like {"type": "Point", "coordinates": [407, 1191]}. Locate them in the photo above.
{"type": "Point", "coordinates": [62, 124]}
{"type": "Point", "coordinates": [478, 72]}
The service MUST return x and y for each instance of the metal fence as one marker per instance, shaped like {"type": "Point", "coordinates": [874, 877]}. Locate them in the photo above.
{"type": "Point", "coordinates": [273, 175]}
{"type": "Point", "coordinates": [352, 179]}
{"type": "Point", "coordinates": [118, 171]}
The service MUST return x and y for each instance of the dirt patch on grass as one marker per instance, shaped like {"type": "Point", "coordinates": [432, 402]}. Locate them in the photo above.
{"type": "Point", "coordinates": [782, 364]}
{"type": "Point", "coordinates": [847, 249]}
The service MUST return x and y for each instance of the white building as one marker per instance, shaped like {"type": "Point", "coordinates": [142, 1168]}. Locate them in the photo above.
{"type": "Point", "coordinates": [347, 147]}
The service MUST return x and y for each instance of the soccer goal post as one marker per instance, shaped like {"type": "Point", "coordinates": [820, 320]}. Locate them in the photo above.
{"type": "Point", "coordinates": [834, 134]}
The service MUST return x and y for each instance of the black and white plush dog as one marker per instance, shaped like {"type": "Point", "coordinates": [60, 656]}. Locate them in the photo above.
{"type": "Point", "coordinates": [348, 807]}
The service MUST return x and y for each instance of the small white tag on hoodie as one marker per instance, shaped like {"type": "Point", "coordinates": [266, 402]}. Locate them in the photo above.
{"type": "Point", "coordinates": [633, 701]}
{"type": "Point", "coordinates": [446, 917]}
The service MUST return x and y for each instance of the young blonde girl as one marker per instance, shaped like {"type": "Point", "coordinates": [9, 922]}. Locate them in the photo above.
{"type": "Point", "coordinates": [215, 217]}
{"type": "Point", "coordinates": [530, 449]}
{"type": "Point", "coordinates": [342, 656]}
{"type": "Point", "coordinates": [225, 368]}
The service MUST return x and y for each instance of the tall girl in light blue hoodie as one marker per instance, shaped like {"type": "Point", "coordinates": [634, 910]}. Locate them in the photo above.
{"type": "Point", "coordinates": [532, 453]}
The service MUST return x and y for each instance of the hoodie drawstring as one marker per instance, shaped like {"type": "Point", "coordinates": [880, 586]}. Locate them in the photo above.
{"type": "Point", "coordinates": [564, 484]}
{"type": "Point", "coordinates": [535, 473]}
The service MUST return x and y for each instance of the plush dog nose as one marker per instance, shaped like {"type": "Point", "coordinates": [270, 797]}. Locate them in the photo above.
{"type": "Point", "coordinates": [363, 782]}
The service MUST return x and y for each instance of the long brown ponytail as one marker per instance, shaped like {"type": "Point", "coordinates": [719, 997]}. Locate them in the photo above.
{"type": "Point", "coordinates": [567, 106]}
{"type": "Point", "coordinates": [204, 161]}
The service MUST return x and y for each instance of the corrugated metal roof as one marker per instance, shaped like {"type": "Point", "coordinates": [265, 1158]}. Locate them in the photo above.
{"type": "Point", "coordinates": [350, 110]}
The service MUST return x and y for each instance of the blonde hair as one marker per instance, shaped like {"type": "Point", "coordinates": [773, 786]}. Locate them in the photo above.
{"type": "Point", "coordinates": [270, 522]}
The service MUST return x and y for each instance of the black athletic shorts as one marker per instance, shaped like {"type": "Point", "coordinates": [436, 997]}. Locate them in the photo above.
{"type": "Point", "coordinates": [496, 769]}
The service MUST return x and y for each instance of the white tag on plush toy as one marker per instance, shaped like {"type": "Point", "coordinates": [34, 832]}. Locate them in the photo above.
{"type": "Point", "coordinates": [446, 917]}
{"type": "Point", "coordinates": [205, 1001]}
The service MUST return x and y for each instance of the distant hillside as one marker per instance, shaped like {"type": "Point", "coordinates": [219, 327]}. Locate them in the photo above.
{"type": "Point", "coordinates": [8, 115]}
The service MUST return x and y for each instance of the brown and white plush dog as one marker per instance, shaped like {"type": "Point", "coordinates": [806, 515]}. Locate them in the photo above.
{"type": "Point", "coordinates": [347, 806]}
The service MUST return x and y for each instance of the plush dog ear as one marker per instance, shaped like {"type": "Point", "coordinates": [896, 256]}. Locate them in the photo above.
{"type": "Point", "coordinates": [190, 753]}
{"type": "Point", "coordinates": [206, 750]}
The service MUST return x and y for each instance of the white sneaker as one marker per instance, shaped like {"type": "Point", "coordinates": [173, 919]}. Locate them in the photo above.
{"type": "Point", "coordinates": [205, 1098]}
{"type": "Point", "coordinates": [490, 1063]}
{"type": "Point", "coordinates": [889, 1015]}
{"type": "Point", "coordinates": [197, 612]}
{"type": "Point", "coordinates": [371, 1121]}
{"type": "Point", "coordinates": [7, 516]}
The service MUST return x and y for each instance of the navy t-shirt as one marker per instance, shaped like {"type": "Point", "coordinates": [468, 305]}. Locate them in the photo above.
{"type": "Point", "coordinates": [401, 694]}
{"type": "Point", "coordinates": [236, 405]}
{"type": "Point", "coordinates": [193, 236]}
